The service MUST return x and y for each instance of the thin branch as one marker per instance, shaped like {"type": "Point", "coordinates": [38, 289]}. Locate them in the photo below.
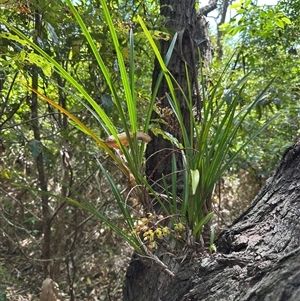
{"type": "Point", "coordinates": [220, 33]}
{"type": "Point", "coordinates": [205, 10]}
{"type": "Point", "coordinates": [35, 118]}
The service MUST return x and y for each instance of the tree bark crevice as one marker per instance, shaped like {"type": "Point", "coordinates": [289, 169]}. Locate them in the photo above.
{"type": "Point", "coordinates": [259, 255]}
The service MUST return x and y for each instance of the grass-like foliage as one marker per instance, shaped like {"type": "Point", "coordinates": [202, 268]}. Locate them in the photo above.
{"type": "Point", "coordinates": [208, 151]}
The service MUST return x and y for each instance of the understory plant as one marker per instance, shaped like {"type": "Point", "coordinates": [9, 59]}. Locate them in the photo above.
{"type": "Point", "coordinates": [207, 152]}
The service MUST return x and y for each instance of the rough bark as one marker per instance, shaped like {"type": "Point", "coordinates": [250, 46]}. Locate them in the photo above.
{"type": "Point", "coordinates": [192, 32]}
{"type": "Point", "coordinates": [205, 10]}
{"type": "Point", "coordinates": [259, 255]}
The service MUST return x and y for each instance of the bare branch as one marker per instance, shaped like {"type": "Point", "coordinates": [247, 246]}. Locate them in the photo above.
{"type": "Point", "coordinates": [205, 10]}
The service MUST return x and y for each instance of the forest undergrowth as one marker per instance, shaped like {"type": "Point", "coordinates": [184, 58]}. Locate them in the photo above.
{"type": "Point", "coordinates": [100, 259]}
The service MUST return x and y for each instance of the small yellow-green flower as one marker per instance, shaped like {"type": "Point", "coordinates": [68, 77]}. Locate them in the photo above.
{"type": "Point", "coordinates": [144, 220]}
{"type": "Point", "coordinates": [166, 231]}
{"type": "Point", "coordinates": [144, 228]}
{"type": "Point", "coordinates": [149, 235]}
{"type": "Point", "coordinates": [158, 233]}
{"type": "Point", "coordinates": [150, 216]}
{"type": "Point", "coordinates": [179, 227]}
{"type": "Point", "coordinates": [152, 245]}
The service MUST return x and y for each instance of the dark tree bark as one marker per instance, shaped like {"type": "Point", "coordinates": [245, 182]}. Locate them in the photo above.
{"type": "Point", "coordinates": [259, 255]}
{"type": "Point", "coordinates": [192, 29]}
{"type": "Point", "coordinates": [144, 280]}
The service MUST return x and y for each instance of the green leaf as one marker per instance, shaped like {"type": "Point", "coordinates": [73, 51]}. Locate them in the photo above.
{"type": "Point", "coordinates": [195, 175]}
{"type": "Point", "coordinates": [40, 62]}
{"type": "Point", "coordinates": [279, 23]}
{"type": "Point", "coordinates": [247, 3]}
{"type": "Point", "coordinates": [160, 35]}
{"type": "Point", "coordinates": [203, 221]}
{"type": "Point", "coordinates": [234, 30]}
{"type": "Point", "coordinates": [223, 26]}
{"type": "Point", "coordinates": [236, 5]}
{"type": "Point", "coordinates": [15, 38]}
{"type": "Point", "coordinates": [286, 20]}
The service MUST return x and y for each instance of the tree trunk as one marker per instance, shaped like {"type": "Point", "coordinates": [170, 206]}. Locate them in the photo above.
{"type": "Point", "coordinates": [258, 257]}
{"type": "Point", "coordinates": [192, 32]}
{"type": "Point", "coordinates": [144, 280]}
{"type": "Point", "coordinates": [42, 176]}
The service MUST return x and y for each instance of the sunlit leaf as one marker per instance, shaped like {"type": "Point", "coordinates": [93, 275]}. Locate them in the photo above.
{"type": "Point", "coordinates": [236, 5]}
{"type": "Point", "coordinates": [279, 23]}
{"type": "Point", "coordinates": [286, 20]}
{"type": "Point", "coordinates": [195, 175]}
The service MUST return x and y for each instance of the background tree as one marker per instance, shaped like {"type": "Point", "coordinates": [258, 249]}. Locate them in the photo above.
{"type": "Point", "coordinates": [261, 37]}
{"type": "Point", "coordinates": [42, 152]}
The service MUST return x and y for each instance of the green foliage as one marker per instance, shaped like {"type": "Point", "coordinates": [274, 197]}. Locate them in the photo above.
{"type": "Point", "coordinates": [256, 21]}
{"type": "Point", "coordinates": [266, 39]}
{"type": "Point", "coordinates": [64, 61]}
{"type": "Point", "coordinates": [113, 88]}
{"type": "Point", "coordinates": [209, 150]}
{"type": "Point", "coordinates": [125, 104]}
{"type": "Point", "coordinates": [124, 232]}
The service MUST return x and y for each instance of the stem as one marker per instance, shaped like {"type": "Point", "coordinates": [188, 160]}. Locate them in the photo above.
{"type": "Point", "coordinates": [46, 250]}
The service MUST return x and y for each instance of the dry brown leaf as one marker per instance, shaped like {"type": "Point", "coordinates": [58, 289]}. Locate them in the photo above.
{"type": "Point", "coordinates": [111, 141]}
